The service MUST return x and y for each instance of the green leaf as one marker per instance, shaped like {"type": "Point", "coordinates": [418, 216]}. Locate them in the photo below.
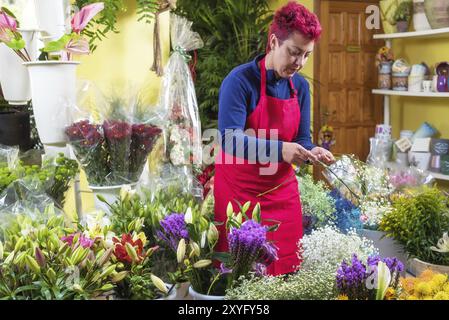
{"type": "Point", "coordinates": [16, 44]}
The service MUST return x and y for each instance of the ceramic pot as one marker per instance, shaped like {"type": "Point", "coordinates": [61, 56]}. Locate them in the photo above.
{"type": "Point", "coordinates": [437, 12]}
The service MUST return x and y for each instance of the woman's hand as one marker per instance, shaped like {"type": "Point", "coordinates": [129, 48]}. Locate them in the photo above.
{"type": "Point", "coordinates": [294, 153]}
{"type": "Point", "coordinates": [323, 155]}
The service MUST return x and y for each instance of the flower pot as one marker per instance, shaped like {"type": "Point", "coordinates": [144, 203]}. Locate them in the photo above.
{"type": "Point", "coordinates": [50, 15]}
{"type": "Point", "coordinates": [198, 296]}
{"type": "Point", "coordinates": [416, 267]}
{"type": "Point", "coordinates": [109, 193]}
{"type": "Point", "coordinates": [388, 247]}
{"type": "Point", "coordinates": [385, 67]}
{"type": "Point", "coordinates": [420, 22]}
{"type": "Point", "coordinates": [53, 88]}
{"type": "Point", "coordinates": [437, 12]}
{"type": "Point", "coordinates": [402, 26]}
{"type": "Point", "coordinates": [15, 128]}
{"type": "Point", "coordinates": [14, 78]}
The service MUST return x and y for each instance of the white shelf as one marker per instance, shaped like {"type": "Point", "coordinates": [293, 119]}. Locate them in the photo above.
{"type": "Point", "coordinates": [428, 33]}
{"type": "Point", "coordinates": [440, 176]}
{"type": "Point", "coordinates": [411, 94]}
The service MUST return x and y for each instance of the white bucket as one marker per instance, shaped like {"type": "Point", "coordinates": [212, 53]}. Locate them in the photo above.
{"type": "Point", "coordinates": [14, 78]}
{"type": "Point", "coordinates": [53, 89]}
{"type": "Point", "coordinates": [50, 15]}
{"type": "Point", "coordinates": [198, 296]}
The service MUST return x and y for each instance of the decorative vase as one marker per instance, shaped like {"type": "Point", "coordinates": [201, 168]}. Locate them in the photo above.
{"type": "Point", "coordinates": [198, 296]}
{"type": "Point", "coordinates": [14, 78]}
{"type": "Point", "coordinates": [51, 17]}
{"type": "Point", "coordinates": [402, 26]}
{"type": "Point", "coordinates": [385, 67]}
{"type": "Point", "coordinates": [416, 267]}
{"type": "Point", "coordinates": [400, 81]}
{"type": "Point", "coordinates": [15, 128]}
{"type": "Point", "coordinates": [53, 88]}
{"type": "Point", "coordinates": [420, 22]}
{"type": "Point", "coordinates": [437, 12]}
{"type": "Point", "coordinates": [442, 84]}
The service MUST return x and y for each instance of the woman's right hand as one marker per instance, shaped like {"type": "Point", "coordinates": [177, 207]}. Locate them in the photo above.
{"type": "Point", "coordinates": [294, 153]}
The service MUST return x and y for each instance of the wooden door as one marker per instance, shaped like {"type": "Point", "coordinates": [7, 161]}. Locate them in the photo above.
{"type": "Point", "coordinates": [345, 74]}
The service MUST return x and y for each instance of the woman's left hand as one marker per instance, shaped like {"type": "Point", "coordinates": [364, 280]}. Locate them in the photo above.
{"type": "Point", "coordinates": [323, 155]}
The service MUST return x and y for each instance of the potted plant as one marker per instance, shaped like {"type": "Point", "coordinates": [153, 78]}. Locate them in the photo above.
{"type": "Point", "coordinates": [417, 221]}
{"type": "Point", "coordinates": [53, 82]}
{"type": "Point", "coordinates": [16, 45]}
{"type": "Point", "coordinates": [403, 15]}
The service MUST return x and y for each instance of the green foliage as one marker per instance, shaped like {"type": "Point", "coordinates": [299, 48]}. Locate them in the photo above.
{"type": "Point", "coordinates": [404, 11]}
{"type": "Point", "coordinates": [316, 201]}
{"type": "Point", "coordinates": [104, 23]}
{"type": "Point", "coordinates": [234, 32]}
{"type": "Point", "coordinates": [417, 221]}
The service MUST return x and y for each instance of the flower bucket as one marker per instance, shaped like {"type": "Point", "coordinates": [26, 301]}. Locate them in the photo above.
{"type": "Point", "coordinates": [50, 15]}
{"type": "Point", "coordinates": [173, 294]}
{"type": "Point", "coordinates": [198, 296]}
{"type": "Point", "coordinates": [416, 267]}
{"type": "Point", "coordinates": [109, 193]}
{"type": "Point", "coordinates": [53, 86]}
{"type": "Point", "coordinates": [14, 78]}
{"type": "Point", "coordinates": [388, 247]}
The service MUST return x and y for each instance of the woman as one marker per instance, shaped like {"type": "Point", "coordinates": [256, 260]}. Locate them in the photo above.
{"type": "Point", "coordinates": [268, 97]}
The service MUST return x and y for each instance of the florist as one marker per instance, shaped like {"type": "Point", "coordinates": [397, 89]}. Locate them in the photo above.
{"type": "Point", "coordinates": [267, 95]}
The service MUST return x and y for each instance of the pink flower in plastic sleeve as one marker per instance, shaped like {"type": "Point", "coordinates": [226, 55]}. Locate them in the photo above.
{"type": "Point", "coordinates": [87, 13]}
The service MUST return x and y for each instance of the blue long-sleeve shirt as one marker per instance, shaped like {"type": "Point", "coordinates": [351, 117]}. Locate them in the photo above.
{"type": "Point", "coordinates": [238, 97]}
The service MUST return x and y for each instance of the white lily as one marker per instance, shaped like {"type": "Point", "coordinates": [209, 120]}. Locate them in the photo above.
{"type": "Point", "coordinates": [383, 280]}
{"type": "Point", "coordinates": [442, 245]}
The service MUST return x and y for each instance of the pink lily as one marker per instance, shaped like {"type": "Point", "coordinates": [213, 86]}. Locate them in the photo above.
{"type": "Point", "coordinates": [82, 18]}
{"type": "Point", "coordinates": [7, 21]}
{"type": "Point", "coordinates": [78, 46]}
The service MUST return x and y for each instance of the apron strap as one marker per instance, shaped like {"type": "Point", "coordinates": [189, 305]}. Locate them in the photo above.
{"type": "Point", "coordinates": [293, 92]}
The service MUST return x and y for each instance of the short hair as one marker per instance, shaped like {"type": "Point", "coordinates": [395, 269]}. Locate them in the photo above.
{"type": "Point", "coordinates": [294, 17]}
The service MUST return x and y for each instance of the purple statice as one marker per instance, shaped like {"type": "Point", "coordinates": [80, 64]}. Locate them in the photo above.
{"type": "Point", "coordinates": [351, 279]}
{"type": "Point", "coordinates": [173, 229]}
{"type": "Point", "coordinates": [248, 245]}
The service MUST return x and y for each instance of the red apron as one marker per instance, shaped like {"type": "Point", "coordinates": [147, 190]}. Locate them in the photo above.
{"type": "Point", "coordinates": [243, 182]}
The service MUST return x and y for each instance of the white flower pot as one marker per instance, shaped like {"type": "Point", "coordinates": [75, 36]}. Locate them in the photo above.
{"type": "Point", "coordinates": [417, 266]}
{"type": "Point", "coordinates": [172, 295]}
{"type": "Point", "coordinates": [50, 15]}
{"type": "Point", "coordinates": [14, 78]}
{"type": "Point", "coordinates": [53, 89]}
{"type": "Point", "coordinates": [198, 296]}
{"type": "Point", "coordinates": [388, 247]}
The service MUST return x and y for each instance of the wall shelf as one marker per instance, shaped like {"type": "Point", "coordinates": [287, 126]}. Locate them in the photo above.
{"type": "Point", "coordinates": [443, 32]}
{"type": "Point", "coordinates": [411, 94]}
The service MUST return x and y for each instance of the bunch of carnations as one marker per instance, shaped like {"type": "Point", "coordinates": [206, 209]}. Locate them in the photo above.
{"type": "Point", "coordinates": [90, 148]}
{"type": "Point", "coordinates": [143, 138]}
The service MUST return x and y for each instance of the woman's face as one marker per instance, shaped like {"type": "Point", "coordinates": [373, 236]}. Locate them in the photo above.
{"type": "Point", "coordinates": [290, 55]}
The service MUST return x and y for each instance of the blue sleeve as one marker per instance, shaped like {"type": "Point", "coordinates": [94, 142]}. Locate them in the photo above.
{"type": "Point", "coordinates": [234, 98]}
{"type": "Point", "coordinates": [303, 137]}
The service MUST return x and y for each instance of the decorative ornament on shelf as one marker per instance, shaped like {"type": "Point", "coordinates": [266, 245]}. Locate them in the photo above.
{"type": "Point", "coordinates": [326, 137]}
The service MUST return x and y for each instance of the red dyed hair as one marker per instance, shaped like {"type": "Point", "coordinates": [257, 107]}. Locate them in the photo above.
{"type": "Point", "coordinates": [294, 17]}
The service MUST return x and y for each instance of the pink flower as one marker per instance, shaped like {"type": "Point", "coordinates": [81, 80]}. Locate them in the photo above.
{"type": "Point", "coordinates": [7, 21]}
{"type": "Point", "coordinates": [82, 18]}
{"type": "Point", "coordinates": [79, 46]}
{"type": "Point", "coordinates": [84, 241]}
